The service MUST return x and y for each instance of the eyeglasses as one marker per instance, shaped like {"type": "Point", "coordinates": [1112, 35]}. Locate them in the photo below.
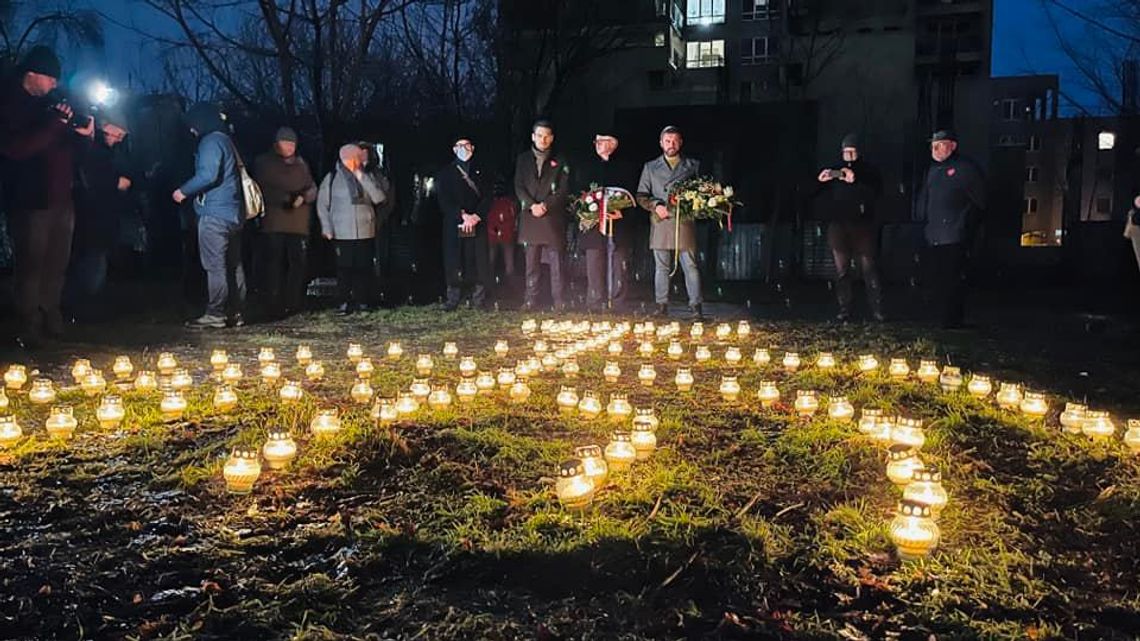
{"type": "Point", "coordinates": [464, 145]}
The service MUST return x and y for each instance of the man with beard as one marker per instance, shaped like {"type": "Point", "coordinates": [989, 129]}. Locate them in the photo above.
{"type": "Point", "coordinates": [542, 185]}
{"type": "Point", "coordinates": [666, 237]}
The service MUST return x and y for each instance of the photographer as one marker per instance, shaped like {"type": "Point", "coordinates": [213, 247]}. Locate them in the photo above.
{"type": "Point", "coordinates": [38, 140]}
{"type": "Point", "coordinates": [289, 191]}
{"type": "Point", "coordinates": [848, 195]}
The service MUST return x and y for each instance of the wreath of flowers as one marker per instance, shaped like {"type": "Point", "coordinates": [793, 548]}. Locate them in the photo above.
{"type": "Point", "coordinates": [702, 198]}
{"type": "Point", "coordinates": [588, 205]}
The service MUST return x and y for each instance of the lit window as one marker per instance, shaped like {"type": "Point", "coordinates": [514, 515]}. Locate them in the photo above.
{"type": "Point", "coordinates": [754, 9]}
{"type": "Point", "coordinates": [1030, 205]}
{"type": "Point", "coordinates": [702, 12]}
{"type": "Point", "coordinates": [659, 39]}
{"type": "Point", "coordinates": [704, 54]}
{"type": "Point", "coordinates": [1105, 140]}
{"type": "Point", "coordinates": [1031, 174]}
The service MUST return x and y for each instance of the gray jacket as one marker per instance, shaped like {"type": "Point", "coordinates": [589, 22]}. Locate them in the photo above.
{"type": "Point", "coordinates": [340, 217]}
{"type": "Point", "coordinates": [653, 189]}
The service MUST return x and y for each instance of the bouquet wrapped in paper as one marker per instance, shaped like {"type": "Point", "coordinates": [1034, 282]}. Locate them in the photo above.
{"type": "Point", "coordinates": [591, 203]}
{"type": "Point", "coordinates": [702, 198]}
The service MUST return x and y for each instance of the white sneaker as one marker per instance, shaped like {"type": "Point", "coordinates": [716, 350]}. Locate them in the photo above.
{"type": "Point", "coordinates": [207, 321]}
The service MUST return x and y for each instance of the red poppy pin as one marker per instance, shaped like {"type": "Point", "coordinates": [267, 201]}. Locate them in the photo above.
{"type": "Point", "coordinates": [951, 171]}
{"type": "Point", "coordinates": [553, 163]}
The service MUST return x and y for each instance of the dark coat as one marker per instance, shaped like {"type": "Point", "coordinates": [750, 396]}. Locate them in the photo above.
{"type": "Point", "coordinates": [551, 186]}
{"type": "Point", "coordinates": [99, 204]}
{"type": "Point", "coordinates": [37, 152]}
{"type": "Point", "coordinates": [281, 182]}
{"type": "Point", "coordinates": [951, 201]}
{"type": "Point", "coordinates": [843, 202]}
{"type": "Point", "coordinates": [657, 179]}
{"type": "Point", "coordinates": [612, 173]}
{"type": "Point", "coordinates": [456, 196]}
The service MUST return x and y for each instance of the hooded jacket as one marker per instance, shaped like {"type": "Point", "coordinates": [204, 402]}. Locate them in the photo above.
{"type": "Point", "coordinates": [215, 185]}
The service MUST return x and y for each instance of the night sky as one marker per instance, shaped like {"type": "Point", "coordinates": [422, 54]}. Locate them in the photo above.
{"type": "Point", "coordinates": [1024, 43]}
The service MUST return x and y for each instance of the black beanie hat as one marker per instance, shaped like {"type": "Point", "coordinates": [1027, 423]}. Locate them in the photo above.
{"type": "Point", "coordinates": [41, 60]}
{"type": "Point", "coordinates": [850, 141]}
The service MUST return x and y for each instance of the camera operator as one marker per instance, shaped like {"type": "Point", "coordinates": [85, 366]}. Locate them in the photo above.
{"type": "Point", "coordinates": [38, 141]}
{"type": "Point", "coordinates": [848, 195]}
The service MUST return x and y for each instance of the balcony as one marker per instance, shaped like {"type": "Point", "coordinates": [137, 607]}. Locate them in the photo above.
{"type": "Point", "coordinates": [948, 7]}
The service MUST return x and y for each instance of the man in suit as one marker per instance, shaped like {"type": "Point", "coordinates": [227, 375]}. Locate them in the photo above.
{"type": "Point", "coordinates": [542, 184]}
{"type": "Point", "coordinates": [607, 254]}
{"type": "Point", "coordinates": [464, 199]}
{"type": "Point", "coordinates": [666, 236]}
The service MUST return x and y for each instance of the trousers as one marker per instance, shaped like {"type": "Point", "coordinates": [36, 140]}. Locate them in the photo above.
{"type": "Point", "coordinates": [219, 248]}
{"type": "Point", "coordinates": [284, 268]}
{"type": "Point", "coordinates": [602, 283]}
{"type": "Point", "coordinates": [854, 240]}
{"type": "Point", "coordinates": [534, 256]}
{"type": "Point", "coordinates": [355, 270]}
{"type": "Point", "coordinates": [41, 247]}
{"type": "Point", "coordinates": [945, 270]}
{"type": "Point", "coordinates": [663, 265]}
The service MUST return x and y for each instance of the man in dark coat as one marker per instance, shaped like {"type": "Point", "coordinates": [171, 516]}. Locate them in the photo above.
{"type": "Point", "coordinates": [542, 184]}
{"type": "Point", "coordinates": [101, 201]}
{"type": "Point", "coordinates": [951, 203]}
{"type": "Point", "coordinates": [464, 196]}
{"type": "Point", "coordinates": [289, 192]}
{"type": "Point", "coordinates": [38, 142]}
{"type": "Point", "coordinates": [847, 196]}
{"type": "Point", "coordinates": [607, 254]}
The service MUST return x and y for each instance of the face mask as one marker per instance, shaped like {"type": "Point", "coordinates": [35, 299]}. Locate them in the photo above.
{"type": "Point", "coordinates": [463, 153]}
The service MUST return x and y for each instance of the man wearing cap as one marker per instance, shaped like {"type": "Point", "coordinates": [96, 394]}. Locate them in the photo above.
{"type": "Point", "coordinates": [216, 191]}
{"type": "Point", "coordinates": [38, 142]}
{"type": "Point", "coordinates": [607, 253]}
{"type": "Point", "coordinates": [101, 200]}
{"type": "Point", "coordinates": [542, 185]}
{"type": "Point", "coordinates": [289, 192]}
{"type": "Point", "coordinates": [464, 197]}
{"type": "Point", "coordinates": [847, 195]}
{"type": "Point", "coordinates": [951, 203]}
{"type": "Point", "coordinates": [657, 178]}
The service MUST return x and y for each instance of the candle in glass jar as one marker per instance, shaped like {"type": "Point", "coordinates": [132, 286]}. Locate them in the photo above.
{"type": "Point", "coordinates": [181, 379]}
{"type": "Point", "coordinates": [589, 406]}
{"type": "Point", "coordinates": [567, 400]}
{"type": "Point", "coordinates": [501, 348]}
{"type": "Point", "coordinates": [723, 331]}
{"type": "Point", "coordinates": [110, 412]}
{"type": "Point", "coordinates": [315, 371]}
{"type": "Point", "coordinates": [903, 461]}
{"type": "Point", "coordinates": [620, 453]}
{"type": "Point", "coordinates": [868, 363]}
{"type": "Point", "coordinates": [450, 350]}
{"type": "Point", "coordinates": [166, 363]}
{"type": "Point", "coordinates": [15, 377]}
{"type": "Point", "coordinates": [593, 463]}
{"type": "Point", "coordinates": [950, 379]}
{"type": "Point", "coordinates": [80, 369]}
{"type": "Point", "coordinates": [807, 403]}
{"type": "Point", "coordinates": [325, 423]}
{"type": "Point", "coordinates": [395, 351]}
{"type": "Point", "coordinates": [840, 409]}
{"type": "Point", "coordinates": [231, 374]}
{"type": "Point", "coordinates": [122, 368]}
{"type": "Point", "coordinates": [675, 351]}
{"type": "Point", "coordinates": [979, 386]}
{"type": "Point", "coordinates": [925, 487]}
{"type": "Point", "coordinates": [570, 368]}
{"type": "Point", "coordinates": [1098, 425]}
{"type": "Point", "coordinates": [684, 379]}
{"type": "Point", "coordinates": [825, 360]}
{"type": "Point", "coordinates": [439, 398]}
{"type": "Point", "coordinates": [913, 531]}
{"type": "Point", "coordinates": [93, 383]}
{"type": "Point", "coordinates": [644, 441]}
{"type": "Point", "coordinates": [279, 449]}
{"type": "Point", "coordinates": [732, 356]}
{"type": "Point", "coordinates": [1034, 405]}
{"type": "Point", "coordinates": [647, 374]}
{"type": "Point", "coordinates": [424, 364]}
{"type": "Point", "coordinates": [42, 392]}
{"type": "Point", "coordinates": [1009, 396]}
{"type": "Point", "coordinates": [729, 388]}
{"type": "Point", "coordinates": [467, 366]}
{"type": "Point", "coordinates": [696, 330]}
{"type": "Point", "coordinates": [61, 423]}
{"type": "Point", "coordinates": [645, 348]}
{"type": "Point", "coordinates": [1073, 418]}
{"type": "Point", "coordinates": [384, 411]}
{"type": "Point", "coordinates": [519, 392]}
{"type": "Point", "coordinates": [225, 398]}
{"type": "Point", "coordinates": [898, 369]}
{"type": "Point", "coordinates": [291, 392]}
{"type": "Point", "coordinates": [241, 471]}
{"type": "Point", "coordinates": [791, 361]}
{"type": "Point", "coordinates": [761, 357]}
{"type": "Point", "coordinates": [173, 405]}
{"type": "Point", "coordinates": [574, 489]}
{"type": "Point", "coordinates": [618, 409]}
{"type": "Point", "coordinates": [354, 353]}
{"type": "Point", "coordinates": [304, 355]}
{"type": "Point", "coordinates": [506, 377]}
{"type": "Point", "coordinates": [1132, 436]}
{"type": "Point", "coordinates": [266, 355]}
{"type": "Point", "coordinates": [768, 393]}
{"type": "Point", "coordinates": [702, 353]}
{"type": "Point", "coordinates": [909, 432]}
{"type": "Point", "coordinates": [485, 382]}
{"type": "Point", "coordinates": [219, 359]}
{"type": "Point", "coordinates": [271, 373]}
{"type": "Point", "coordinates": [407, 404]}
{"type": "Point", "coordinates": [927, 371]}
{"type": "Point", "coordinates": [361, 392]}
{"type": "Point", "coordinates": [10, 432]}
{"type": "Point", "coordinates": [466, 390]}
{"type": "Point", "coordinates": [611, 372]}
{"type": "Point", "coordinates": [146, 381]}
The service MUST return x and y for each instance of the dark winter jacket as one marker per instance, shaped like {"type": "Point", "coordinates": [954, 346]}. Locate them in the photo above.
{"type": "Point", "coordinates": [37, 152]}
{"type": "Point", "coordinates": [99, 205]}
{"type": "Point", "coordinates": [281, 181]}
{"type": "Point", "coordinates": [951, 201]}
{"type": "Point", "coordinates": [843, 202]}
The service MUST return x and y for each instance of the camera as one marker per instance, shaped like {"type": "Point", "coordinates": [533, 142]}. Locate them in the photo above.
{"type": "Point", "coordinates": [79, 115]}
{"type": "Point", "coordinates": [835, 173]}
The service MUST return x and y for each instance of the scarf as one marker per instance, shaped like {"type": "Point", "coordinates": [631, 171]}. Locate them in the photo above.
{"type": "Point", "coordinates": [540, 158]}
{"type": "Point", "coordinates": [355, 190]}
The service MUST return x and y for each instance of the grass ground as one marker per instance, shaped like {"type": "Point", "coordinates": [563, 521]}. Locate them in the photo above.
{"type": "Point", "coordinates": [747, 523]}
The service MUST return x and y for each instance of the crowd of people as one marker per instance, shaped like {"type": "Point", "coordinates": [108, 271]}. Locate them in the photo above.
{"type": "Point", "coordinates": [62, 190]}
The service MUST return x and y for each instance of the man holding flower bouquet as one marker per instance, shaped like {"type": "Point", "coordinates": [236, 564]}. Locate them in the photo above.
{"type": "Point", "coordinates": [673, 238]}
{"type": "Point", "coordinates": [607, 250]}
